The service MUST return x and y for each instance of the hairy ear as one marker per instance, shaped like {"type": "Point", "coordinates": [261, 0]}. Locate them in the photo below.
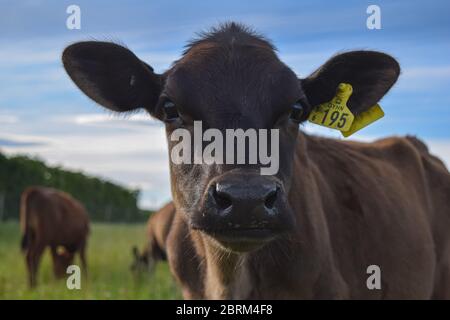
{"type": "Point", "coordinates": [112, 75]}
{"type": "Point", "coordinates": [370, 73]}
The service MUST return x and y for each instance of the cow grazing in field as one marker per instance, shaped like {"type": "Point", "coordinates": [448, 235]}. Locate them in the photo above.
{"type": "Point", "coordinates": [158, 227]}
{"type": "Point", "coordinates": [333, 209]}
{"type": "Point", "coordinates": [52, 218]}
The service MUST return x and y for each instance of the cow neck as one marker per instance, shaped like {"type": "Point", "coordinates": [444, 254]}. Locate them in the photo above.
{"type": "Point", "coordinates": [310, 198]}
{"type": "Point", "coordinates": [221, 268]}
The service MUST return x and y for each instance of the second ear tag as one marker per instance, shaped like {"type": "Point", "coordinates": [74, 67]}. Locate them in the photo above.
{"type": "Point", "coordinates": [335, 114]}
{"type": "Point", "coordinates": [364, 119]}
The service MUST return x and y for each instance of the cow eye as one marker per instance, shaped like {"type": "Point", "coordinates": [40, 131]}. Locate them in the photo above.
{"type": "Point", "coordinates": [170, 111]}
{"type": "Point", "coordinates": [297, 112]}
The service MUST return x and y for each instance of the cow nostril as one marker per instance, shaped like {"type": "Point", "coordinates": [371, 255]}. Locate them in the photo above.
{"type": "Point", "coordinates": [270, 199]}
{"type": "Point", "coordinates": [223, 201]}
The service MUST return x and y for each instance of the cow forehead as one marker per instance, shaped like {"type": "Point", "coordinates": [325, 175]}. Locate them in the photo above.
{"type": "Point", "coordinates": [242, 81]}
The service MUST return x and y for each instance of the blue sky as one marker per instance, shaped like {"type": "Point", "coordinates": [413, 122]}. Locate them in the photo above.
{"type": "Point", "coordinates": [43, 114]}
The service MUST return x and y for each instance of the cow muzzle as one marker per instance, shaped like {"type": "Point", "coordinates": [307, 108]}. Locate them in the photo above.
{"type": "Point", "coordinates": [243, 211]}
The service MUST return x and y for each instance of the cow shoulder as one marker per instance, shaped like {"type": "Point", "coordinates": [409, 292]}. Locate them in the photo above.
{"type": "Point", "coordinates": [390, 150]}
{"type": "Point", "coordinates": [438, 164]}
{"type": "Point", "coordinates": [31, 207]}
{"type": "Point", "coordinates": [70, 207]}
{"type": "Point", "coordinates": [67, 216]}
{"type": "Point", "coordinates": [404, 154]}
{"type": "Point", "coordinates": [361, 160]}
{"type": "Point", "coordinates": [413, 156]}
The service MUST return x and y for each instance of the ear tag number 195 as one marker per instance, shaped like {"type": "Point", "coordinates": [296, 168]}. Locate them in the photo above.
{"type": "Point", "coordinates": [335, 114]}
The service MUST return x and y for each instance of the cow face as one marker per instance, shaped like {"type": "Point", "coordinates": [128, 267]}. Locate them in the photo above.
{"type": "Point", "coordinates": [231, 78]}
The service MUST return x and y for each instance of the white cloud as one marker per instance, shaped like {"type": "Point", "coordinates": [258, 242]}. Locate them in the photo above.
{"type": "Point", "coordinates": [424, 78]}
{"type": "Point", "coordinates": [13, 57]}
{"type": "Point", "coordinates": [110, 118]}
{"type": "Point", "coordinates": [28, 141]}
{"type": "Point", "coordinates": [8, 119]}
{"type": "Point", "coordinates": [160, 61]}
{"type": "Point", "coordinates": [441, 148]}
{"type": "Point", "coordinates": [102, 147]}
{"type": "Point", "coordinates": [305, 63]}
{"type": "Point", "coordinates": [427, 72]}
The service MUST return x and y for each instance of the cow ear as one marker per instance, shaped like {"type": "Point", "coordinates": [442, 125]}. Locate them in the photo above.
{"type": "Point", "coordinates": [112, 76]}
{"type": "Point", "coordinates": [370, 73]}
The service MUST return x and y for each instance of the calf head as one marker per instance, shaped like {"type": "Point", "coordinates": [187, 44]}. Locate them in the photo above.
{"type": "Point", "coordinates": [146, 260]}
{"type": "Point", "coordinates": [230, 78]}
{"type": "Point", "coordinates": [142, 262]}
{"type": "Point", "coordinates": [62, 259]}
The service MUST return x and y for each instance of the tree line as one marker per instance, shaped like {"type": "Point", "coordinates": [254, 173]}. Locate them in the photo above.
{"type": "Point", "coordinates": [104, 200]}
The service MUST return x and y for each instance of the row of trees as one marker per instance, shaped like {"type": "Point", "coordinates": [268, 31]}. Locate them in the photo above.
{"type": "Point", "coordinates": [104, 200]}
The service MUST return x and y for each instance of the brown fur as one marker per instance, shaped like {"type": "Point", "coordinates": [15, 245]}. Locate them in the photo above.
{"type": "Point", "coordinates": [52, 218]}
{"type": "Point", "coordinates": [356, 204]}
{"type": "Point", "coordinates": [158, 227]}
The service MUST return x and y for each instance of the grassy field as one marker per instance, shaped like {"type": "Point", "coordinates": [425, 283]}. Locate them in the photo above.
{"type": "Point", "coordinates": [109, 258]}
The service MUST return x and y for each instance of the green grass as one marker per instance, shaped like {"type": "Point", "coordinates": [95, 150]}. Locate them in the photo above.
{"type": "Point", "coordinates": [109, 258]}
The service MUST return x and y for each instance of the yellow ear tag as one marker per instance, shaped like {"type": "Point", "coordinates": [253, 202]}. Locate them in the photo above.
{"type": "Point", "coordinates": [335, 114]}
{"type": "Point", "coordinates": [364, 119]}
{"type": "Point", "coordinates": [60, 250]}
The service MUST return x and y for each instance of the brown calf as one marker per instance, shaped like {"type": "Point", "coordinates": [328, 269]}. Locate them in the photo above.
{"type": "Point", "coordinates": [52, 218]}
{"type": "Point", "coordinates": [331, 211]}
{"type": "Point", "coordinates": [158, 227]}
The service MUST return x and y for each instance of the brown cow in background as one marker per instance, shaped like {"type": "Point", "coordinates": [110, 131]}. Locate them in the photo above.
{"type": "Point", "coordinates": [158, 227]}
{"type": "Point", "coordinates": [52, 218]}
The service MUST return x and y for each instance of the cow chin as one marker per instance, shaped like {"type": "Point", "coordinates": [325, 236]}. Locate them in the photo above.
{"type": "Point", "coordinates": [241, 242]}
{"type": "Point", "coordinates": [239, 236]}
